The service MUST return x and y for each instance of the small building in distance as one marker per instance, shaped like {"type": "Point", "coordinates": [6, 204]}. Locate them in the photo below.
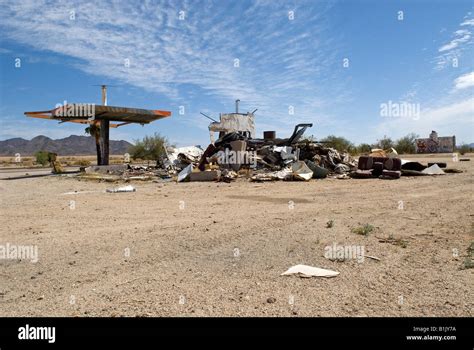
{"type": "Point", "coordinates": [436, 144]}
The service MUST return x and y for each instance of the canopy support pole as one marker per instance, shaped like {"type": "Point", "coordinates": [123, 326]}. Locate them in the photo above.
{"type": "Point", "coordinates": [104, 132]}
{"type": "Point", "coordinates": [104, 141]}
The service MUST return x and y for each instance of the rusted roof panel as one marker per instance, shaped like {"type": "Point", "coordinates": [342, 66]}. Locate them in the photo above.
{"type": "Point", "coordinates": [82, 113]}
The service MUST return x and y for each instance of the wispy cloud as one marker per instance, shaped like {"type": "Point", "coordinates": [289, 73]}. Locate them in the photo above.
{"type": "Point", "coordinates": [464, 81]}
{"type": "Point", "coordinates": [468, 22]}
{"type": "Point", "coordinates": [453, 50]}
{"type": "Point", "coordinates": [282, 57]}
{"type": "Point", "coordinates": [450, 119]}
{"type": "Point", "coordinates": [222, 50]}
{"type": "Point", "coordinates": [461, 38]}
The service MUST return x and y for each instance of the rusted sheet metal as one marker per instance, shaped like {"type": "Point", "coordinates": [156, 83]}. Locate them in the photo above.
{"type": "Point", "coordinates": [234, 122]}
{"type": "Point", "coordinates": [89, 113]}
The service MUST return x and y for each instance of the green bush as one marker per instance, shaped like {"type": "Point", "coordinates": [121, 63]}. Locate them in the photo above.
{"type": "Point", "coordinates": [363, 230]}
{"type": "Point", "coordinates": [463, 149]}
{"type": "Point", "coordinates": [364, 148]}
{"type": "Point", "coordinates": [406, 144]}
{"type": "Point", "coordinates": [469, 261]}
{"type": "Point", "coordinates": [339, 143]}
{"type": "Point", "coordinates": [149, 148]}
{"type": "Point", "coordinates": [82, 162]}
{"type": "Point", "coordinates": [385, 143]}
{"type": "Point", "coordinates": [42, 157]}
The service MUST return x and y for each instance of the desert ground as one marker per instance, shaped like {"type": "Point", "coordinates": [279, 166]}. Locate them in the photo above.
{"type": "Point", "coordinates": [219, 249]}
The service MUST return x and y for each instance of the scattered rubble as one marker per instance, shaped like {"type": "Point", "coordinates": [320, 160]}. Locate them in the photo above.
{"type": "Point", "coordinates": [179, 158]}
{"type": "Point", "coordinates": [184, 174]}
{"type": "Point", "coordinates": [115, 169]}
{"type": "Point", "coordinates": [434, 170]}
{"type": "Point", "coordinates": [235, 156]}
{"type": "Point", "coordinates": [212, 175]}
{"type": "Point", "coordinates": [440, 164]}
{"type": "Point", "coordinates": [452, 171]}
{"type": "Point", "coordinates": [238, 154]}
{"type": "Point", "coordinates": [383, 167]}
{"type": "Point", "coordinates": [271, 158]}
{"type": "Point", "coordinates": [309, 271]}
{"type": "Point", "coordinates": [372, 257]}
{"type": "Point", "coordinates": [128, 188]}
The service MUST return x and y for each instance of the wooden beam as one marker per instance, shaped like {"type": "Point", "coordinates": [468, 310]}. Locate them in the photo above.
{"type": "Point", "coordinates": [104, 141]}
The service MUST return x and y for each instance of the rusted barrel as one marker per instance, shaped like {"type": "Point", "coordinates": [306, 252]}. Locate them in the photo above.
{"type": "Point", "coordinates": [269, 135]}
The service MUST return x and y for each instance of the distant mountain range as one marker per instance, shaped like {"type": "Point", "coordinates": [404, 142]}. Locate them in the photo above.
{"type": "Point", "coordinates": [70, 146]}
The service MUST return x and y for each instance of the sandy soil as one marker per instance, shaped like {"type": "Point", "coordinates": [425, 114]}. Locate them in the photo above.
{"type": "Point", "coordinates": [216, 249]}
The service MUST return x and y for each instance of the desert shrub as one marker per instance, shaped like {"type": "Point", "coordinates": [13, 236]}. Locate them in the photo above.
{"type": "Point", "coordinates": [363, 230]}
{"type": "Point", "coordinates": [42, 157]}
{"type": "Point", "coordinates": [364, 148]}
{"type": "Point", "coordinates": [385, 143]}
{"type": "Point", "coordinates": [149, 148]}
{"type": "Point", "coordinates": [469, 261]}
{"type": "Point", "coordinates": [463, 149]}
{"type": "Point", "coordinates": [339, 143]}
{"type": "Point", "coordinates": [82, 162]}
{"type": "Point", "coordinates": [406, 144]}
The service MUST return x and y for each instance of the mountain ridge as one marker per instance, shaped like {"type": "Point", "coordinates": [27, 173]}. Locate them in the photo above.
{"type": "Point", "coordinates": [73, 145]}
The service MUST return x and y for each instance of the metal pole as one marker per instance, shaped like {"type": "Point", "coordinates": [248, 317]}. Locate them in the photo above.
{"type": "Point", "coordinates": [104, 95]}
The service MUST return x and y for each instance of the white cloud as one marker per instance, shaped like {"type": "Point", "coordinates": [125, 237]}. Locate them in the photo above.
{"type": "Point", "coordinates": [462, 39]}
{"type": "Point", "coordinates": [282, 62]}
{"type": "Point", "coordinates": [455, 43]}
{"type": "Point", "coordinates": [462, 32]}
{"type": "Point", "coordinates": [456, 119]}
{"type": "Point", "coordinates": [468, 22]}
{"type": "Point", "coordinates": [464, 81]}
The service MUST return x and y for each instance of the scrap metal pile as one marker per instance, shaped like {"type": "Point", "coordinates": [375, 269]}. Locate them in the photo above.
{"type": "Point", "coordinates": [236, 155]}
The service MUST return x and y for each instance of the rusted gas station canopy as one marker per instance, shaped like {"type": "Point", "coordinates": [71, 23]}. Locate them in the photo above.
{"type": "Point", "coordinates": [101, 116]}
{"type": "Point", "coordinates": [87, 114]}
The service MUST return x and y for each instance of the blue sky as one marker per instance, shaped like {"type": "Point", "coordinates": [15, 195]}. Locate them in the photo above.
{"type": "Point", "coordinates": [332, 62]}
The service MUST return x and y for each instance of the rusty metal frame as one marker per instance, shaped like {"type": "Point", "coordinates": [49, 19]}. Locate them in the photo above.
{"type": "Point", "coordinates": [103, 116]}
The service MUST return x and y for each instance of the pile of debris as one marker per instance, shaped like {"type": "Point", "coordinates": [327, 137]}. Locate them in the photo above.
{"type": "Point", "coordinates": [179, 158]}
{"type": "Point", "coordinates": [123, 172]}
{"type": "Point", "coordinates": [176, 159]}
{"type": "Point", "coordinates": [236, 155]}
{"type": "Point", "coordinates": [379, 164]}
{"type": "Point", "coordinates": [387, 165]}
